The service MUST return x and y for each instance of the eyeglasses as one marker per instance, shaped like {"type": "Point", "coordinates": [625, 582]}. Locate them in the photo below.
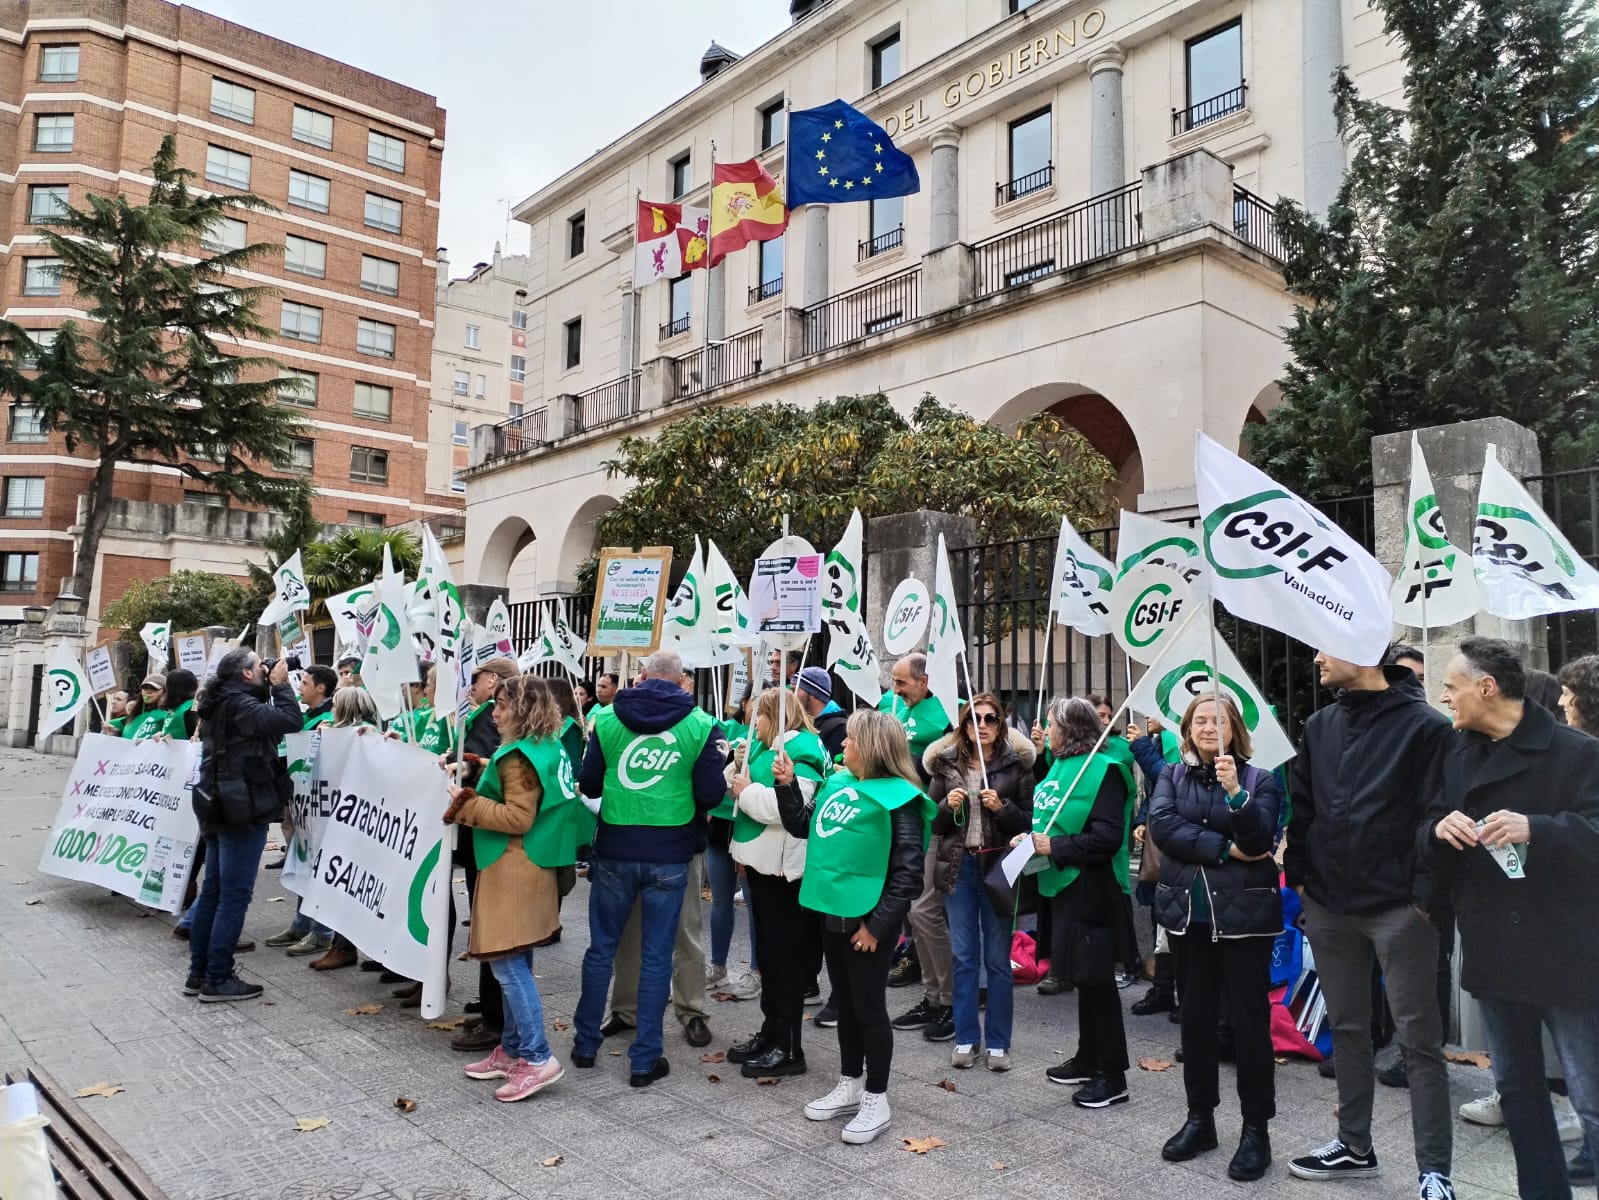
{"type": "Point", "coordinates": [990, 719]}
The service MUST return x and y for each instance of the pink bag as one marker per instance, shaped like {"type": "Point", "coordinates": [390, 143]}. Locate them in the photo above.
{"type": "Point", "coordinates": [1285, 1035]}
{"type": "Point", "coordinates": [1025, 967]}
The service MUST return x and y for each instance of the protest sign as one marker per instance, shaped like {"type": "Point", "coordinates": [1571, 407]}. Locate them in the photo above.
{"type": "Point", "coordinates": [629, 599]}
{"type": "Point", "coordinates": [786, 593]}
{"type": "Point", "coordinates": [905, 618]}
{"type": "Point", "coordinates": [191, 652]}
{"type": "Point", "coordinates": [102, 670]}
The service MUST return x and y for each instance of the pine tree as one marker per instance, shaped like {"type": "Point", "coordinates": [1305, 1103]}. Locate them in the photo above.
{"type": "Point", "coordinates": [1456, 275]}
{"type": "Point", "coordinates": [144, 378]}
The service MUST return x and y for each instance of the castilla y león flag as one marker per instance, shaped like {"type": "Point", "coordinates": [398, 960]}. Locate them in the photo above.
{"type": "Point", "coordinates": [745, 207]}
{"type": "Point", "coordinates": [671, 239]}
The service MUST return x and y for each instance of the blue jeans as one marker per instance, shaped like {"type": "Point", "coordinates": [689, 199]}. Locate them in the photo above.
{"type": "Point", "coordinates": [979, 940]}
{"type": "Point", "coordinates": [523, 1036]}
{"type": "Point", "coordinates": [615, 885]}
{"type": "Point", "coordinates": [232, 861]}
{"type": "Point", "coordinates": [1515, 1043]}
{"type": "Point", "coordinates": [304, 925]}
{"type": "Point", "coordinates": [723, 874]}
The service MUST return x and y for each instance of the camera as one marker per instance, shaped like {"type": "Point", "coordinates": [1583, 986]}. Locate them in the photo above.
{"type": "Point", "coordinates": [292, 661]}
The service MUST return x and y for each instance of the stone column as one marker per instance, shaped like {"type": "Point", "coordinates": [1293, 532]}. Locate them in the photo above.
{"type": "Point", "coordinates": [815, 255]}
{"type": "Point", "coordinates": [476, 598]}
{"type": "Point", "coordinates": [628, 356]}
{"type": "Point", "coordinates": [901, 546]}
{"type": "Point", "coordinates": [27, 653]}
{"type": "Point", "coordinates": [1187, 192]}
{"type": "Point", "coordinates": [945, 222]}
{"type": "Point", "coordinates": [1322, 46]}
{"type": "Point", "coordinates": [1107, 152]}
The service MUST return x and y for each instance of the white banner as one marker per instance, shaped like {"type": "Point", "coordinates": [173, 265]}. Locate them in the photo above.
{"type": "Point", "coordinates": [305, 817]}
{"type": "Point", "coordinates": [1525, 566]}
{"type": "Point", "coordinates": [126, 821]}
{"type": "Point", "coordinates": [1435, 585]}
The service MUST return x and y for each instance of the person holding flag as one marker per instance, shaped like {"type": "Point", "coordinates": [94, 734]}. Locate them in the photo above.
{"type": "Point", "coordinates": [152, 717]}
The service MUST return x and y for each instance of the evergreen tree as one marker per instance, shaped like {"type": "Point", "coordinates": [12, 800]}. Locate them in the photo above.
{"type": "Point", "coordinates": [144, 379]}
{"type": "Point", "coordinates": [1456, 275]}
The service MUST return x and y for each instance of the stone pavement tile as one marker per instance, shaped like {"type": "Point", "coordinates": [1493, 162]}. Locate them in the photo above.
{"type": "Point", "coordinates": [804, 1177]}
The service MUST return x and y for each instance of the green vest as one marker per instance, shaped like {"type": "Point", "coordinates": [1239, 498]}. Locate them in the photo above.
{"type": "Point", "coordinates": [852, 832]}
{"type": "Point", "coordinates": [734, 731]}
{"type": "Point", "coordinates": [649, 777]}
{"type": "Point", "coordinates": [434, 737]}
{"type": "Point", "coordinates": [548, 843]}
{"type": "Point", "coordinates": [177, 727]}
{"type": "Point", "coordinates": [571, 738]}
{"type": "Point", "coordinates": [924, 723]}
{"type": "Point", "coordinates": [147, 724]}
{"type": "Point", "coordinates": [1171, 747]}
{"type": "Point", "coordinates": [725, 810]}
{"type": "Point", "coordinates": [809, 756]}
{"type": "Point", "coordinates": [1119, 749]}
{"type": "Point", "coordinates": [1061, 814]}
{"type": "Point", "coordinates": [311, 721]}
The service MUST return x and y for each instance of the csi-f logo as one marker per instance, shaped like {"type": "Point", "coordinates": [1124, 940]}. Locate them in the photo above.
{"type": "Point", "coordinates": [564, 779]}
{"type": "Point", "coordinates": [1273, 523]}
{"type": "Point", "coordinates": [1046, 802]}
{"type": "Point", "coordinates": [1515, 540]}
{"type": "Point", "coordinates": [1432, 555]}
{"type": "Point", "coordinates": [1154, 611]}
{"type": "Point", "coordinates": [685, 606]}
{"type": "Point", "coordinates": [647, 759]}
{"type": "Point", "coordinates": [837, 811]}
{"type": "Point", "coordinates": [613, 568]}
{"type": "Point", "coordinates": [1085, 581]}
{"type": "Point", "coordinates": [911, 614]}
{"type": "Point", "coordinates": [842, 583]}
{"type": "Point", "coordinates": [1178, 687]}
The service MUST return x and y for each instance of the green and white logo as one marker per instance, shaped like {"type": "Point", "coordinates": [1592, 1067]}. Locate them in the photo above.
{"type": "Point", "coordinates": [1272, 523]}
{"type": "Point", "coordinates": [647, 759]}
{"type": "Point", "coordinates": [1177, 688]}
{"type": "Point", "coordinates": [906, 617]}
{"type": "Point", "coordinates": [66, 692]}
{"type": "Point", "coordinates": [837, 812]}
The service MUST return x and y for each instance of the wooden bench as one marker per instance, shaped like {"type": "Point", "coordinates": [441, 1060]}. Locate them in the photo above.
{"type": "Point", "coordinates": [88, 1164]}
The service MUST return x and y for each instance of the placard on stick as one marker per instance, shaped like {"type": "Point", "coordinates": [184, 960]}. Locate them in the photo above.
{"type": "Point", "coordinates": [630, 600]}
{"type": "Point", "coordinates": [191, 650]}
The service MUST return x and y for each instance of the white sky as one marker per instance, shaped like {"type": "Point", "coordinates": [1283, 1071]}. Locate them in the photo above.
{"type": "Point", "coordinates": [529, 87]}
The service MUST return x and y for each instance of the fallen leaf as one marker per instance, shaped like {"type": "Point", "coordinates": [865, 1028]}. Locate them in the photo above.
{"type": "Point", "coordinates": [1281, 1060]}
{"type": "Point", "coordinates": [616, 1054]}
{"type": "Point", "coordinates": [33, 901]}
{"type": "Point", "coordinates": [274, 899]}
{"type": "Point", "coordinates": [947, 1084]}
{"type": "Point", "coordinates": [553, 1160]}
{"type": "Point", "coordinates": [308, 1124]}
{"type": "Point", "coordinates": [714, 1078]}
{"type": "Point", "coordinates": [450, 1023]}
{"type": "Point", "coordinates": [1154, 1064]}
{"type": "Point", "coordinates": [1469, 1058]}
{"type": "Point", "coordinates": [714, 1056]}
{"type": "Point", "coordinates": [99, 1089]}
{"type": "Point", "coordinates": [921, 1145]}
{"type": "Point", "coordinates": [722, 997]}
{"type": "Point", "coordinates": [998, 1166]}
{"type": "Point", "coordinates": [560, 1024]}
{"type": "Point", "coordinates": [708, 1137]}
{"type": "Point", "coordinates": [363, 1010]}
{"type": "Point", "coordinates": [405, 1104]}
{"type": "Point", "coordinates": [767, 1080]}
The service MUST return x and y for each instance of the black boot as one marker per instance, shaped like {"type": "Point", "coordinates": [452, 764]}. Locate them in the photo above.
{"type": "Point", "coordinates": [1162, 997]}
{"type": "Point", "coordinates": [753, 1048]}
{"type": "Point", "coordinates": [775, 1063]}
{"type": "Point", "coordinates": [1253, 1155]}
{"type": "Point", "coordinates": [1197, 1135]}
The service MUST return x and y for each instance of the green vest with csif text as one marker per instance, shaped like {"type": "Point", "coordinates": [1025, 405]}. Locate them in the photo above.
{"type": "Point", "coordinates": [649, 777]}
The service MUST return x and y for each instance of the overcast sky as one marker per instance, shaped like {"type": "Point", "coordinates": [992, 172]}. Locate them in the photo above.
{"type": "Point", "coordinates": [530, 88]}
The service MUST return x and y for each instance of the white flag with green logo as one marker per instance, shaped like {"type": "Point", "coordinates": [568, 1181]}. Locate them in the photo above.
{"type": "Point", "coordinates": [1277, 561]}
{"type": "Point", "coordinates": [352, 614]}
{"type": "Point", "coordinates": [289, 591]}
{"type": "Point", "coordinates": [730, 627]}
{"type": "Point", "coordinates": [1080, 584]}
{"type": "Point", "coordinates": [1142, 539]}
{"type": "Point", "coordinates": [684, 626]}
{"type": "Point", "coordinates": [852, 656]}
{"type": "Point", "coordinates": [1525, 566]}
{"type": "Point", "coordinates": [498, 623]}
{"type": "Point", "coordinates": [157, 638]}
{"type": "Point", "coordinates": [1435, 585]}
{"type": "Point", "coordinates": [66, 690]}
{"type": "Point", "coordinates": [1183, 671]}
{"type": "Point", "coordinates": [569, 648]}
{"type": "Point", "coordinates": [841, 589]}
{"type": "Point", "coordinates": [945, 640]}
{"type": "Point", "coordinates": [390, 662]}
{"type": "Point", "coordinates": [422, 604]}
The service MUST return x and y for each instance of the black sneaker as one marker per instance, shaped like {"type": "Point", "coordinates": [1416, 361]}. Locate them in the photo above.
{"type": "Point", "coordinates": [1156, 1000]}
{"type": "Point", "coordinates": [1050, 985]}
{"type": "Point", "coordinates": [942, 1027]}
{"type": "Point", "coordinates": [919, 1017]}
{"type": "Point", "coordinates": [813, 995]}
{"type": "Point", "coordinates": [827, 1017]}
{"type": "Point", "coordinates": [1334, 1161]}
{"type": "Point", "coordinates": [660, 1070]}
{"type": "Point", "coordinates": [232, 988]}
{"type": "Point", "coordinates": [907, 971]}
{"type": "Point", "coordinates": [1434, 1185]}
{"type": "Point", "coordinates": [1070, 1072]}
{"type": "Point", "coordinates": [1102, 1091]}
{"type": "Point", "coordinates": [1396, 1076]}
{"type": "Point", "coordinates": [1326, 1069]}
{"type": "Point", "coordinates": [193, 984]}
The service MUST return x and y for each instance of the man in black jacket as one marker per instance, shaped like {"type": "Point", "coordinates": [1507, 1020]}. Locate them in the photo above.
{"type": "Point", "coordinates": [815, 692]}
{"type": "Point", "coordinates": [1516, 832]}
{"type": "Point", "coordinates": [1366, 768]}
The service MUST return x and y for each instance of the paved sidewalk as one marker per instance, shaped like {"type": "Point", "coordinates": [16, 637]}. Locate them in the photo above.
{"type": "Point", "coordinates": [89, 989]}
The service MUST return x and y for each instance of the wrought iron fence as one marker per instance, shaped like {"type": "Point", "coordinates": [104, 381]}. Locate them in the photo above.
{"type": "Point", "coordinates": [766, 289]}
{"type": "Point", "coordinates": [727, 361]}
{"type": "Point", "coordinates": [674, 327]}
{"type": "Point", "coordinates": [863, 311]}
{"type": "Point", "coordinates": [872, 247]}
{"type": "Point", "coordinates": [609, 403]}
{"type": "Point", "coordinates": [523, 433]}
{"type": "Point", "coordinates": [1255, 222]}
{"type": "Point", "coordinates": [1571, 498]}
{"type": "Point", "coordinates": [1101, 225]}
{"type": "Point", "coordinates": [1195, 115]}
{"type": "Point", "coordinates": [1015, 189]}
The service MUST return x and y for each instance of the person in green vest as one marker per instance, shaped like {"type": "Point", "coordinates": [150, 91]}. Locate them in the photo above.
{"type": "Point", "coordinates": [317, 685]}
{"type": "Point", "coordinates": [518, 814]}
{"type": "Point", "coordinates": [178, 700]}
{"type": "Point", "coordinates": [1081, 815]}
{"type": "Point", "coordinates": [152, 717]}
{"type": "Point", "coordinates": [573, 731]}
{"type": "Point", "coordinates": [606, 685]}
{"type": "Point", "coordinates": [723, 876]}
{"type": "Point", "coordinates": [774, 865]}
{"type": "Point", "coordinates": [866, 834]}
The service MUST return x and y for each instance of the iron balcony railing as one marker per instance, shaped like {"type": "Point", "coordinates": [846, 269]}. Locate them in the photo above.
{"type": "Point", "coordinates": [1255, 222]}
{"type": "Point", "coordinates": [1101, 225]}
{"type": "Point", "coordinates": [672, 328]}
{"type": "Point", "coordinates": [727, 361]}
{"type": "Point", "coordinates": [766, 289]}
{"type": "Point", "coordinates": [884, 241]}
{"type": "Point", "coordinates": [609, 403]}
{"type": "Point", "coordinates": [522, 433]}
{"type": "Point", "coordinates": [863, 311]}
{"type": "Point", "coordinates": [1195, 115]}
{"type": "Point", "coordinates": [1004, 193]}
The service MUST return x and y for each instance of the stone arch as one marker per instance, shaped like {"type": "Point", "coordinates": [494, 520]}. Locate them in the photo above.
{"type": "Point", "coordinates": [578, 541]}
{"type": "Point", "coordinates": [1268, 398]}
{"type": "Point", "coordinates": [510, 538]}
{"type": "Point", "coordinates": [1093, 415]}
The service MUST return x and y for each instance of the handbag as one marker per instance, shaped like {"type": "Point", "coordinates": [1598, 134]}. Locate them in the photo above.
{"type": "Point", "coordinates": [1010, 900]}
{"type": "Point", "coordinates": [1149, 861]}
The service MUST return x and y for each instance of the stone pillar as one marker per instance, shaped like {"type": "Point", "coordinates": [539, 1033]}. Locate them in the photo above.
{"type": "Point", "coordinates": [488, 441]}
{"type": "Point", "coordinates": [1187, 192]}
{"type": "Point", "coordinates": [716, 305]}
{"type": "Point", "coordinates": [61, 630]}
{"type": "Point", "coordinates": [627, 359]}
{"type": "Point", "coordinates": [563, 417]}
{"type": "Point", "coordinates": [657, 386]}
{"type": "Point", "coordinates": [1322, 47]}
{"type": "Point", "coordinates": [774, 351]}
{"type": "Point", "coordinates": [1107, 157]}
{"type": "Point", "coordinates": [901, 546]}
{"type": "Point", "coordinates": [8, 645]}
{"type": "Point", "coordinates": [815, 255]}
{"type": "Point", "coordinates": [944, 225]}
{"type": "Point", "coordinates": [949, 278]}
{"type": "Point", "coordinates": [27, 653]}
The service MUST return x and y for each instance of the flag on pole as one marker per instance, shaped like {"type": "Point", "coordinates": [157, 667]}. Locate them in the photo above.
{"type": "Point", "coordinates": [465, 670]}
{"type": "Point", "coordinates": [289, 591]}
{"type": "Point", "coordinates": [390, 662]}
{"type": "Point", "coordinates": [498, 623]}
{"type": "Point", "coordinates": [1279, 562]}
{"type": "Point", "coordinates": [837, 154]}
{"type": "Point", "coordinates": [1081, 583]}
{"type": "Point", "coordinates": [1143, 539]}
{"type": "Point", "coordinates": [745, 207]}
{"type": "Point", "coordinates": [1435, 585]}
{"type": "Point", "coordinates": [543, 648]}
{"type": "Point", "coordinates": [157, 638]}
{"type": "Point", "coordinates": [842, 587]}
{"type": "Point", "coordinates": [66, 690]}
{"type": "Point", "coordinates": [850, 653]}
{"type": "Point", "coordinates": [945, 641]}
{"type": "Point", "coordinates": [684, 626]}
{"type": "Point", "coordinates": [670, 240]}
{"type": "Point", "coordinates": [730, 627]}
{"type": "Point", "coordinates": [1525, 567]}
{"type": "Point", "coordinates": [352, 614]}
{"type": "Point", "coordinates": [569, 648]}
{"type": "Point", "coordinates": [422, 603]}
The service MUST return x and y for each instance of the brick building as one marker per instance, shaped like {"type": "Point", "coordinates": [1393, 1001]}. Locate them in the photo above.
{"type": "Point", "coordinates": [350, 160]}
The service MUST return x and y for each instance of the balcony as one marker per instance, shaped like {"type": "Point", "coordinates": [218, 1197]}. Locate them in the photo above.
{"type": "Point", "coordinates": [872, 247]}
{"type": "Point", "coordinates": [862, 312]}
{"type": "Point", "coordinates": [1255, 222]}
{"type": "Point", "coordinates": [728, 361]}
{"type": "Point", "coordinates": [1206, 111]}
{"type": "Point", "coordinates": [674, 327]}
{"type": "Point", "coordinates": [766, 290]}
{"type": "Point", "coordinates": [608, 403]}
{"type": "Point", "coordinates": [1021, 186]}
{"type": "Point", "coordinates": [1094, 228]}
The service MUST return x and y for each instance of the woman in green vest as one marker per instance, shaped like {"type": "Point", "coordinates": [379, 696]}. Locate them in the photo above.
{"type": "Point", "coordinates": [722, 873]}
{"type": "Point", "coordinates": [1081, 813]}
{"type": "Point", "coordinates": [152, 716]}
{"type": "Point", "coordinates": [517, 813]}
{"type": "Point", "coordinates": [179, 700]}
{"type": "Point", "coordinates": [866, 832]}
{"type": "Point", "coordinates": [573, 733]}
{"type": "Point", "coordinates": [774, 864]}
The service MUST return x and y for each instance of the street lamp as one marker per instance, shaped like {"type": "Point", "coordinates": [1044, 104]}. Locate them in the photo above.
{"type": "Point", "coordinates": [34, 614]}
{"type": "Point", "coordinates": [69, 604]}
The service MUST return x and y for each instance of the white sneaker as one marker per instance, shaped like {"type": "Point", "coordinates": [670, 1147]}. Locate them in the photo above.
{"type": "Point", "coordinates": [1483, 1111]}
{"type": "Point", "coordinates": [744, 986]}
{"type": "Point", "coordinates": [1566, 1120]}
{"type": "Point", "coordinates": [999, 1060]}
{"type": "Point", "coordinates": [843, 1099]}
{"type": "Point", "coordinates": [869, 1121]}
{"type": "Point", "coordinates": [963, 1055]}
{"type": "Point", "coordinates": [714, 975]}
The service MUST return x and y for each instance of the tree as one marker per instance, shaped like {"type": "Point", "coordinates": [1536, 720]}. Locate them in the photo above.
{"type": "Point", "coordinates": [189, 599]}
{"type": "Point", "coordinates": [144, 379]}
{"type": "Point", "coordinates": [1457, 273]}
{"type": "Point", "coordinates": [352, 557]}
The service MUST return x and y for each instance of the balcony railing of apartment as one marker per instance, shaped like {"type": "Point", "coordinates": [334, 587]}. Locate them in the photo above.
{"type": "Point", "coordinates": [863, 311]}
{"type": "Point", "coordinates": [1093, 228]}
{"type": "Point", "coordinates": [1195, 115]}
{"type": "Point", "coordinates": [673, 328]}
{"type": "Point", "coordinates": [447, 527]}
{"type": "Point", "coordinates": [766, 290]}
{"type": "Point", "coordinates": [1004, 193]}
{"type": "Point", "coordinates": [524, 432]}
{"type": "Point", "coordinates": [891, 240]}
{"type": "Point", "coordinates": [609, 403]}
{"type": "Point", "coordinates": [1255, 222]}
{"type": "Point", "coordinates": [727, 361]}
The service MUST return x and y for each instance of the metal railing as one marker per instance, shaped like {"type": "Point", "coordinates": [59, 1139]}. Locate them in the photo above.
{"type": "Point", "coordinates": [1195, 115]}
{"type": "Point", "coordinates": [1255, 222]}
{"type": "Point", "coordinates": [1016, 188]}
{"type": "Point", "coordinates": [447, 527]}
{"type": "Point", "coordinates": [672, 328]}
{"type": "Point", "coordinates": [727, 361]}
{"type": "Point", "coordinates": [766, 290]}
{"type": "Point", "coordinates": [1571, 498]}
{"type": "Point", "coordinates": [862, 312]}
{"type": "Point", "coordinates": [1100, 225]}
{"type": "Point", "coordinates": [883, 241]}
{"type": "Point", "coordinates": [522, 433]}
{"type": "Point", "coordinates": [608, 403]}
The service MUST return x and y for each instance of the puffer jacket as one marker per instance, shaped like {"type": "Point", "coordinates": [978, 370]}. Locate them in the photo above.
{"type": "Point", "coordinates": [1193, 826]}
{"type": "Point", "coordinates": [1010, 773]}
{"type": "Point", "coordinates": [774, 852]}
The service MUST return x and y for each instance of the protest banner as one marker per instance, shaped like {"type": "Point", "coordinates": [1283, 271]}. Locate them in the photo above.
{"type": "Point", "coordinates": [191, 652]}
{"type": "Point", "coordinates": [125, 821]}
{"type": "Point", "coordinates": [786, 593]}
{"type": "Point", "coordinates": [629, 600]}
{"type": "Point", "coordinates": [905, 618]}
{"type": "Point", "coordinates": [102, 670]}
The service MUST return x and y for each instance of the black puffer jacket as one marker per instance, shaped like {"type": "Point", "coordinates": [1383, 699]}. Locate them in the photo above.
{"type": "Point", "coordinates": [1010, 774]}
{"type": "Point", "coordinates": [1193, 826]}
{"type": "Point", "coordinates": [243, 779]}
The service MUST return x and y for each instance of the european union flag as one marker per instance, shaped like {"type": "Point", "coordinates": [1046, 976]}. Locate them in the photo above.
{"type": "Point", "coordinates": [838, 154]}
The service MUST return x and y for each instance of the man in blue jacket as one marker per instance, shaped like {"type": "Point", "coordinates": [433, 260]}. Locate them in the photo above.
{"type": "Point", "coordinates": [657, 768]}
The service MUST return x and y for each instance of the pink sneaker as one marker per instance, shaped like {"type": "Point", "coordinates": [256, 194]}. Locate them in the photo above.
{"type": "Point", "coordinates": [527, 1078]}
{"type": "Point", "coordinates": [496, 1066]}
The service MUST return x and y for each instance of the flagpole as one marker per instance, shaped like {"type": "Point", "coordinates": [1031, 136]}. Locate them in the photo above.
{"type": "Point", "coordinates": [1043, 674]}
{"type": "Point", "coordinates": [788, 169]}
{"type": "Point", "coordinates": [971, 711]}
{"type": "Point", "coordinates": [710, 265]}
{"type": "Point", "coordinates": [1215, 672]}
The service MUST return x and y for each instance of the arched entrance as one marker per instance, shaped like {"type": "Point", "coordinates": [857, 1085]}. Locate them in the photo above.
{"type": "Point", "coordinates": [506, 544]}
{"type": "Point", "coordinates": [578, 543]}
{"type": "Point", "coordinates": [1092, 415]}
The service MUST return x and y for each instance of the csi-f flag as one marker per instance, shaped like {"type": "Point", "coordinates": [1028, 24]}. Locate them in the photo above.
{"type": "Point", "coordinates": [66, 690]}
{"type": "Point", "coordinates": [851, 654]}
{"type": "Point", "coordinates": [1142, 539]}
{"type": "Point", "coordinates": [289, 592]}
{"type": "Point", "coordinates": [945, 641]}
{"type": "Point", "coordinates": [569, 648]}
{"type": "Point", "coordinates": [1080, 584]}
{"type": "Point", "coordinates": [352, 614]}
{"type": "Point", "coordinates": [498, 623]}
{"type": "Point", "coordinates": [1525, 566]}
{"type": "Point", "coordinates": [157, 638]}
{"type": "Point", "coordinates": [729, 623]}
{"type": "Point", "coordinates": [1278, 562]}
{"type": "Point", "coordinates": [390, 662]}
{"type": "Point", "coordinates": [1435, 584]}
{"type": "Point", "coordinates": [841, 585]}
{"type": "Point", "coordinates": [684, 625]}
{"type": "Point", "coordinates": [837, 154]}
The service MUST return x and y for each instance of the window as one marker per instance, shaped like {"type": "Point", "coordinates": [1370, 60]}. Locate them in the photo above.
{"type": "Point", "coordinates": [774, 125]}
{"type": "Point", "coordinates": [227, 233]}
{"type": "Point", "coordinates": [204, 500]}
{"type": "Point", "coordinates": [363, 520]}
{"type": "Point", "coordinates": [380, 275]}
{"type": "Point", "coordinates": [457, 484]}
{"type": "Point", "coordinates": [518, 368]}
{"type": "Point", "coordinates": [462, 384]}
{"type": "Point", "coordinates": [309, 191]}
{"type": "Point", "coordinates": [58, 64]}
{"type": "Point", "coordinates": [482, 386]}
{"type": "Point", "coordinates": [383, 213]}
{"type": "Point", "coordinates": [227, 167]}
{"type": "Point", "coordinates": [681, 300]}
{"type": "Point", "coordinates": [574, 342]}
{"type": "Point", "coordinates": [1031, 151]}
{"type": "Point", "coordinates": [1017, 6]}
{"type": "Point", "coordinates": [374, 402]}
{"type": "Point", "coordinates": [681, 175]}
{"type": "Point", "coordinates": [575, 230]}
{"type": "Point", "coordinates": [385, 151]}
{"type": "Point", "coordinates": [375, 337]}
{"type": "Point", "coordinates": [233, 100]}
{"type": "Point", "coordinates": [19, 572]}
{"type": "Point", "coordinates": [885, 59]}
{"type": "Point", "coordinates": [301, 458]}
{"type": "Point", "coordinates": [43, 339]}
{"type": "Point", "coordinates": [1215, 76]}
{"type": "Point", "coordinates": [474, 337]}
{"type": "Point", "coordinates": [515, 413]}
{"type": "Point", "coordinates": [47, 203]}
{"type": "Point", "coordinates": [303, 322]}
{"type": "Point", "coordinates": [519, 319]}
{"type": "Point", "coordinates": [298, 388]}
{"type": "Point", "coordinates": [887, 226]}
{"type": "Point", "coordinates": [41, 277]}
{"type": "Point", "coordinates": [25, 496]}
{"type": "Point", "coordinates": [458, 434]}
{"type": "Point", "coordinates": [315, 128]}
{"type": "Point", "coordinates": [305, 257]}
{"type": "Point", "coordinates": [27, 424]}
{"type": "Point", "coordinates": [368, 465]}
{"type": "Point", "coordinates": [771, 266]}
{"type": "Point", "coordinates": [52, 133]}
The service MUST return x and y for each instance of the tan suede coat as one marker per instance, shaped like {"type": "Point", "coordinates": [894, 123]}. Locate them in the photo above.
{"type": "Point", "coordinates": [517, 904]}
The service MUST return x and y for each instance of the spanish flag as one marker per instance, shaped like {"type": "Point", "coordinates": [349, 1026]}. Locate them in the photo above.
{"type": "Point", "coordinates": [746, 206]}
